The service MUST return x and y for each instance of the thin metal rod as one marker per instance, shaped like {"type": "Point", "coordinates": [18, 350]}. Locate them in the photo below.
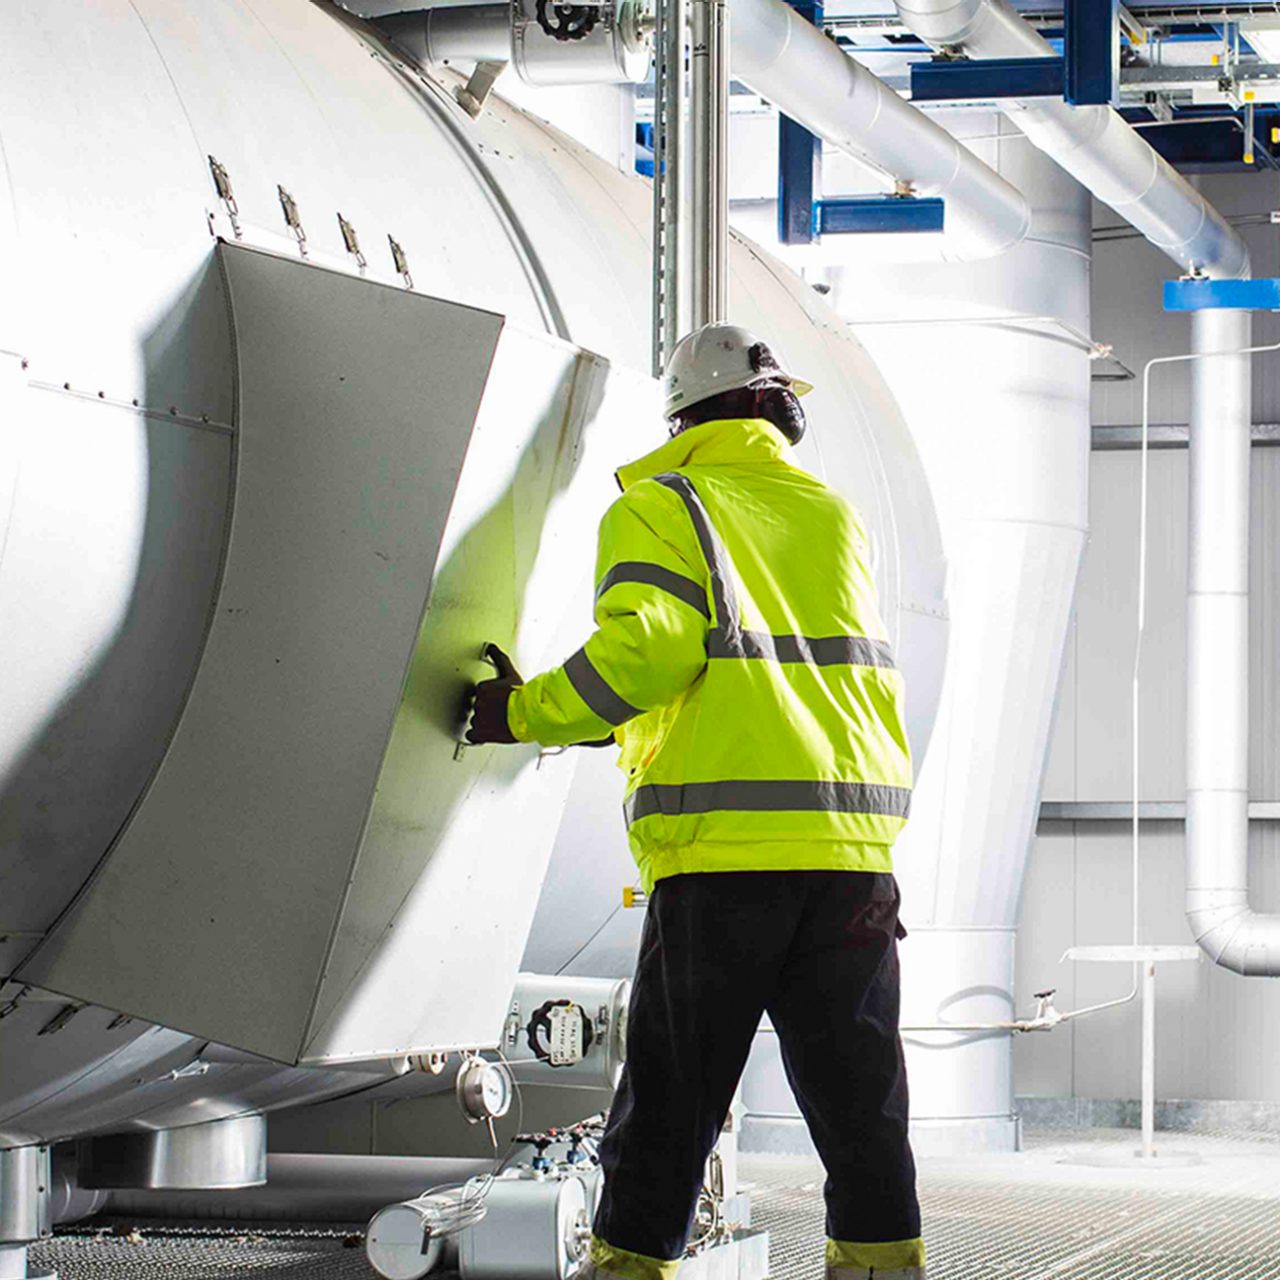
{"type": "Point", "coordinates": [1148, 1059]}
{"type": "Point", "coordinates": [709, 160]}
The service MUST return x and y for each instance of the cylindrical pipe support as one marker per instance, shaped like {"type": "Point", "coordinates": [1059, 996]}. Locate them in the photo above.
{"type": "Point", "coordinates": [709, 160]}
{"type": "Point", "coordinates": [25, 1174]}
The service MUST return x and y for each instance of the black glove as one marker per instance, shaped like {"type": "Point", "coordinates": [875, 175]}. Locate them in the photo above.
{"type": "Point", "coordinates": [489, 701]}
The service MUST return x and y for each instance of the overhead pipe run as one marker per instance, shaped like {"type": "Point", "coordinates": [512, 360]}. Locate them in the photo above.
{"type": "Point", "coordinates": [789, 61]}
{"type": "Point", "coordinates": [786, 59]}
{"type": "Point", "coordinates": [1093, 144]}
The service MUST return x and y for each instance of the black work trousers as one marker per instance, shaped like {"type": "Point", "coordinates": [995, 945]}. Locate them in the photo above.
{"type": "Point", "coordinates": [818, 951]}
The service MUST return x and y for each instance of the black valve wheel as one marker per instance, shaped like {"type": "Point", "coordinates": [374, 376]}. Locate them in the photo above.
{"type": "Point", "coordinates": [565, 22]}
{"type": "Point", "coordinates": [538, 1032]}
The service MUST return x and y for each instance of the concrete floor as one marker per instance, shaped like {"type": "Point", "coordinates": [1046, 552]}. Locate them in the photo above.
{"type": "Point", "coordinates": [1036, 1215]}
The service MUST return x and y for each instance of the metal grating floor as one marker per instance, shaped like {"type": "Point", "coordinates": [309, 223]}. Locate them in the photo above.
{"type": "Point", "coordinates": [199, 1252]}
{"type": "Point", "coordinates": [1031, 1216]}
{"type": "Point", "coordinates": [1038, 1216]}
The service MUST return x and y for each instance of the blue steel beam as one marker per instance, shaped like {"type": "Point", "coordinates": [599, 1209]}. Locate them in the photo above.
{"type": "Point", "coordinates": [875, 214]}
{"type": "Point", "coordinates": [1092, 52]}
{"type": "Point", "coordinates": [799, 162]}
{"type": "Point", "coordinates": [1223, 295]}
{"type": "Point", "coordinates": [983, 79]}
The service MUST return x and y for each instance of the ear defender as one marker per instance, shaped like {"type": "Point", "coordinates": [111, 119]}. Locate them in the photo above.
{"type": "Point", "coordinates": [781, 406]}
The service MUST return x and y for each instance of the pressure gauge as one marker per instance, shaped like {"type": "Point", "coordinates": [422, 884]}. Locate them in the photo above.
{"type": "Point", "coordinates": [484, 1089]}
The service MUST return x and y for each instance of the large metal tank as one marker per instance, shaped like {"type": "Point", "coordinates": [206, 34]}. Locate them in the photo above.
{"type": "Point", "coordinates": [230, 812]}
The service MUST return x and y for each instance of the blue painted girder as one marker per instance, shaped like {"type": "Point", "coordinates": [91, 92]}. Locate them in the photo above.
{"type": "Point", "coordinates": [1223, 295]}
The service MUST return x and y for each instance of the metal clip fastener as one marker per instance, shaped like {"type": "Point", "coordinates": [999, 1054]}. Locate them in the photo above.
{"type": "Point", "coordinates": [60, 1019]}
{"type": "Point", "coordinates": [475, 94]}
{"type": "Point", "coordinates": [352, 241]}
{"type": "Point", "coordinates": [222, 184]}
{"type": "Point", "coordinates": [402, 262]}
{"type": "Point", "coordinates": [12, 1005]}
{"type": "Point", "coordinates": [290, 207]}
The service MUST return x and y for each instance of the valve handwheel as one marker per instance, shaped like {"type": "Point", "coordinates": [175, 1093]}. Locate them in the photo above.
{"type": "Point", "coordinates": [566, 22]}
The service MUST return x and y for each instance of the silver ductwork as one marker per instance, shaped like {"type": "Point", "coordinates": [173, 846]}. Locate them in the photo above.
{"type": "Point", "coordinates": [1093, 144]}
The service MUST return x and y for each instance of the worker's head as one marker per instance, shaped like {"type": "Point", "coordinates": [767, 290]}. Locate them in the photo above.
{"type": "Point", "coordinates": [722, 371]}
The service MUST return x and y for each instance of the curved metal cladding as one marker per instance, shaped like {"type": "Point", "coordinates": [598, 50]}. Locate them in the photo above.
{"type": "Point", "coordinates": [152, 401]}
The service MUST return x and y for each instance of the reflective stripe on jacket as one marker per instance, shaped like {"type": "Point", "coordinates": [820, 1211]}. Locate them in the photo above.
{"type": "Point", "coordinates": [741, 662]}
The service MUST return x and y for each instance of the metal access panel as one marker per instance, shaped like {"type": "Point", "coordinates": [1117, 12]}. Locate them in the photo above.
{"type": "Point", "coordinates": [312, 874]}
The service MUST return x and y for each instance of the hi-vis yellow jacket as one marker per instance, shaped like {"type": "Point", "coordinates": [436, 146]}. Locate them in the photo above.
{"type": "Point", "coordinates": [740, 661]}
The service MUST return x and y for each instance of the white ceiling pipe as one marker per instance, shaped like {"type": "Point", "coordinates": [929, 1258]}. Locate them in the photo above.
{"type": "Point", "coordinates": [1093, 144]}
{"type": "Point", "coordinates": [1229, 930]}
{"type": "Point", "coordinates": [789, 61]}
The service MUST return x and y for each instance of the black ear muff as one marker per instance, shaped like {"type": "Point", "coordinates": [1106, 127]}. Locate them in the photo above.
{"type": "Point", "coordinates": [781, 406]}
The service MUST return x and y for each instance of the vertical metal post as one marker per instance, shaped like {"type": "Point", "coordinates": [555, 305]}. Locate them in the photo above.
{"type": "Point", "coordinates": [709, 160]}
{"type": "Point", "coordinates": [799, 153]}
{"type": "Point", "coordinates": [669, 84]}
{"type": "Point", "coordinates": [1092, 52]}
{"type": "Point", "coordinates": [1148, 1058]}
{"type": "Point", "coordinates": [799, 162]}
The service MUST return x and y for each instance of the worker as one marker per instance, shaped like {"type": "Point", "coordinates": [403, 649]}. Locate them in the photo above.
{"type": "Point", "coordinates": [741, 663]}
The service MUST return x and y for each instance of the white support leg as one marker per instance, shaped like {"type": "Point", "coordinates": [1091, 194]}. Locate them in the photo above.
{"type": "Point", "coordinates": [1148, 1059]}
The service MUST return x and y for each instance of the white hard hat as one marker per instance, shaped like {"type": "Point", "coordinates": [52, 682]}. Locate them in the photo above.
{"type": "Point", "coordinates": [718, 358]}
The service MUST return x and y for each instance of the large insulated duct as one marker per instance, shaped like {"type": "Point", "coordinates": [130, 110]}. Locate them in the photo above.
{"type": "Point", "coordinates": [1093, 144]}
{"type": "Point", "coordinates": [789, 61]}
{"type": "Point", "coordinates": [1218, 911]}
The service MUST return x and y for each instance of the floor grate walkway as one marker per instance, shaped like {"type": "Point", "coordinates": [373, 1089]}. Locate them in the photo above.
{"type": "Point", "coordinates": [1039, 1215]}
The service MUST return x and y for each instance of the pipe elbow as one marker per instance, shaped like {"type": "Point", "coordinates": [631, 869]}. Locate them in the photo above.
{"type": "Point", "coordinates": [1232, 934]}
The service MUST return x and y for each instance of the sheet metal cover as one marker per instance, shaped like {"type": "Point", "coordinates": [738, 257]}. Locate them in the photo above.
{"type": "Point", "coordinates": [215, 911]}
